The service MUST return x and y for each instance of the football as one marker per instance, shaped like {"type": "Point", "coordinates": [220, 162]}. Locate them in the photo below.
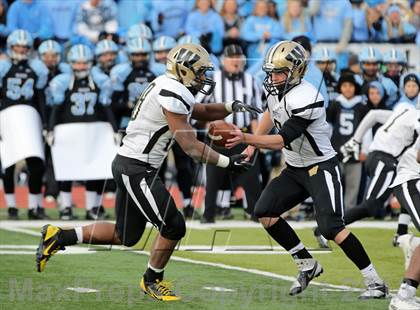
{"type": "Point", "coordinates": [219, 132]}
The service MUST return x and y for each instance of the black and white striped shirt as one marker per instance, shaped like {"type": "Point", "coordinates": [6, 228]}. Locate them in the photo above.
{"type": "Point", "coordinates": [245, 88]}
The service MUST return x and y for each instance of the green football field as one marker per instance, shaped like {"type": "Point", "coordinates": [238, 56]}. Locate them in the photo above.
{"type": "Point", "coordinates": [230, 265]}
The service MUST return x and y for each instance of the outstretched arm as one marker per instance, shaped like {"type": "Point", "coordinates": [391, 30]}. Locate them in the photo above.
{"type": "Point", "coordinates": [372, 118]}
{"type": "Point", "coordinates": [215, 111]}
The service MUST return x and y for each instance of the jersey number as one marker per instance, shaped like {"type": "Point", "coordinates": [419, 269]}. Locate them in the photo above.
{"type": "Point", "coordinates": [15, 89]}
{"type": "Point", "coordinates": [346, 124]}
{"type": "Point", "coordinates": [83, 103]}
{"type": "Point", "coordinates": [143, 96]}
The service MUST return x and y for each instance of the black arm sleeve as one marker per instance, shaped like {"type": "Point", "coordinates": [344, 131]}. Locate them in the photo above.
{"type": "Point", "coordinates": [110, 117]}
{"type": "Point", "coordinates": [293, 128]}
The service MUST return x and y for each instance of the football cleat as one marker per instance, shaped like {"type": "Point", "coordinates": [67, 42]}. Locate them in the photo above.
{"type": "Point", "coordinates": [404, 242]}
{"type": "Point", "coordinates": [188, 212]}
{"type": "Point", "coordinates": [375, 291]}
{"type": "Point", "coordinates": [308, 269]}
{"type": "Point", "coordinates": [160, 290]}
{"type": "Point", "coordinates": [399, 302]}
{"type": "Point", "coordinates": [67, 214]}
{"type": "Point", "coordinates": [322, 241]}
{"type": "Point", "coordinates": [48, 246]}
{"type": "Point", "coordinates": [12, 213]}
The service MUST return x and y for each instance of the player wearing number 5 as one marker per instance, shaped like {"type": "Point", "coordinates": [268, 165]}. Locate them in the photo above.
{"type": "Point", "coordinates": [160, 116]}
{"type": "Point", "coordinates": [82, 131]}
{"type": "Point", "coordinates": [296, 109]}
{"type": "Point", "coordinates": [22, 81]}
{"type": "Point", "coordinates": [344, 114]}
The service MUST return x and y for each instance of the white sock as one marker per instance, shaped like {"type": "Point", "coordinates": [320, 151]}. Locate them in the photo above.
{"type": "Point", "coordinates": [404, 219]}
{"type": "Point", "coordinates": [65, 198]}
{"type": "Point", "coordinates": [98, 200]}
{"type": "Point", "coordinates": [32, 201]}
{"type": "Point", "coordinates": [90, 200]}
{"type": "Point", "coordinates": [40, 201]}
{"type": "Point", "coordinates": [223, 198]}
{"type": "Point", "coordinates": [155, 269]}
{"type": "Point", "coordinates": [10, 200]}
{"type": "Point", "coordinates": [370, 275]}
{"type": "Point", "coordinates": [187, 202]}
{"type": "Point", "coordinates": [406, 291]}
{"type": "Point", "coordinates": [79, 233]}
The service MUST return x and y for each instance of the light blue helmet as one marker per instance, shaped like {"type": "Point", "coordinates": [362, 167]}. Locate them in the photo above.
{"type": "Point", "coordinates": [189, 39]}
{"type": "Point", "coordinates": [163, 43]}
{"type": "Point", "coordinates": [105, 46]}
{"type": "Point", "coordinates": [138, 45]}
{"type": "Point", "coordinates": [395, 56]}
{"type": "Point", "coordinates": [324, 55]}
{"type": "Point", "coordinates": [50, 46]}
{"type": "Point", "coordinates": [80, 53]}
{"type": "Point", "coordinates": [19, 37]}
{"type": "Point", "coordinates": [139, 30]}
{"type": "Point", "coordinates": [370, 54]}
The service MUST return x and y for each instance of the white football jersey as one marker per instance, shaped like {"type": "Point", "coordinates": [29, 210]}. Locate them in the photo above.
{"type": "Point", "coordinates": [397, 134]}
{"type": "Point", "coordinates": [303, 101]}
{"type": "Point", "coordinates": [147, 135]}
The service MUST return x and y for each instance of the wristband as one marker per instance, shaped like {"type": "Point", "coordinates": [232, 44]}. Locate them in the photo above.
{"type": "Point", "coordinates": [223, 161]}
{"type": "Point", "coordinates": [228, 106]}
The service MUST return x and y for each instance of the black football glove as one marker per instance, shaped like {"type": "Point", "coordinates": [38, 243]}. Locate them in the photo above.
{"type": "Point", "coordinates": [239, 106]}
{"type": "Point", "coordinates": [237, 163]}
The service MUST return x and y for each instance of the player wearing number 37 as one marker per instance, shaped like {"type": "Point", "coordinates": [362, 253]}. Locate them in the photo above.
{"type": "Point", "coordinates": [160, 116]}
{"type": "Point", "coordinates": [296, 109]}
{"type": "Point", "coordinates": [22, 81]}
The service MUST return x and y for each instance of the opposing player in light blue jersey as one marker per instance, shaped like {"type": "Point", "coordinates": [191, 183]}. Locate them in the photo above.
{"type": "Point", "coordinates": [395, 63]}
{"type": "Point", "coordinates": [130, 79]}
{"type": "Point", "coordinates": [106, 53]}
{"type": "Point", "coordinates": [161, 47]}
{"type": "Point", "coordinates": [80, 97]}
{"type": "Point", "coordinates": [139, 30]}
{"type": "Point", "coordinates": [370, 60]}
{"type": "Point", "coordinates": [22, 115]}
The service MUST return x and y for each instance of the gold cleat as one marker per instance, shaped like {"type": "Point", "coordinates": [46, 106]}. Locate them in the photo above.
{"type": "Point", "coordinates": [48, 246]}
{"type": "Point", "coordinates": [160, 290]}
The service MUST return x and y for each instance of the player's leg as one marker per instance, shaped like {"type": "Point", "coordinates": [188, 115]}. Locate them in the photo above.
{"type": "Point", "coordinates": [404, 219]}
{"type": "Point", "coordinates": [324, 184]}
{"type": "Point", "coordinates": [281, 194]}
{"type": "Point", "coordinates": [352, 176]}
{"type": "Point", "coordinates": [9, 191]}
{"type": "Point", "coordinates": [65, 206]}
{"type": "Point", "coordinates": [405, 299]}
{"type": "Point", "coordinates": [381, 170]}
{"type": "Point", "coordinates": [215, 178]}
{"type": "Point", "coordinates": [94, 208]}
{"type": "Point", "coordinates": [36, 170]}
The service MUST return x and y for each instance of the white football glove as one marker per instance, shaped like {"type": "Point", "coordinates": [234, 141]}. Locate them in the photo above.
{"type": "Point", "coordinates": [117, 138]}
{"type": "Point", "coordinates": [49, 137]}
{"type": "Point", "coordinates": [350, 149]}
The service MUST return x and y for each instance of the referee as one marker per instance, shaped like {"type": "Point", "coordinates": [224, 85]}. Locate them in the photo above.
{"type": "Point", "coordinates": [232, 83]}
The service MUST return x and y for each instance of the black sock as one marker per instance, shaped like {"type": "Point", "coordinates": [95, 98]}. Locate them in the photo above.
{"type": "Point", "coordinates": [402, 229]}
{"type": "Point", "coordinates": [151, 275]}
{"type": "Point", "coordinates": [287, 238]}
{"type": "Point", "coordinates": [411, 282]}
{"type": "Point", "coordinates": [67, 237]}
{"type": "Point", "coordinates": [354, 250]}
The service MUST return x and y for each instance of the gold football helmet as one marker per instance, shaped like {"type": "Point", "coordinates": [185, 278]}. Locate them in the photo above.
{"type": "Point", "coordinates": [188, 63]}
{"type": "Point", "coordinates": [288, 57]}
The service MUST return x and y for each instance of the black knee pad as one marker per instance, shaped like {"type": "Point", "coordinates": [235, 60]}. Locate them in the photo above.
{"type": "Point", "coordinates": [175, 227]}
{"type": "Point", "coordinates": [330, 231]}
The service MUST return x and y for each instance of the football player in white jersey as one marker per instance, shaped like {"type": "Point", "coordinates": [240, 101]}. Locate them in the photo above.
{"type": "Point", "coordinates": [407, 189]}
{"type": "Point", "coordinates": [391, 140]}
{"type": "Point", "coordinates": [160, 116]}
{"type": "Point", "coordinates": [296, 109]}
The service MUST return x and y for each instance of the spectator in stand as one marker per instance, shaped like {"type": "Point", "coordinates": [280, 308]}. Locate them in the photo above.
{"type": "Point", "coordinates": [32, 16]}
{"type": "Point", "coordinates": [394, 29]}
{"type": "Point", "coordinates": [360, 25]}
{"type": "Point", "coordinates": [332, 22]}
{"type": "Point", "coordinates": [272, 10]}
{"type": "Point", "coordinates": [374, 21]}
{"type": "Point", "coordinates": [409, 88]}
{"type": "Point", "coordinates": [260, 31]}
{"type": "Point", "coordinates": [233, 22]}
{"type": "Point", "coordinates": [206, 24]}
{"type": "Point", "coordinates": [168, 17]}
{"type": "Point", "coordinates": [376, 96]}
{"type": "Point", "coordinates": [295, 21]}
{"type": "Point", "coordinates": [3, 27]}
{"type": "Point", "coordinates": [96, 16]}
{"type": "Point", "coordinates": [133, 12]}
{"type": "Point", "coordinates": [63, 16]}
{"type": "Point", "coordinates": [414, 15]}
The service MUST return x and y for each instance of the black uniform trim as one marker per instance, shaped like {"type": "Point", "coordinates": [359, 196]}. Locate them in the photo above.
{"type": "Point", "coordinates": [313, 144]}
{"type": "Point", "coordinates": [155, 138]}
{"type": "Point", "coordinates": [318, 104]}
{"type": "Point", "coordinates": [168, 93]}
{"type": "Point", "coordinates": [293, 128]}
